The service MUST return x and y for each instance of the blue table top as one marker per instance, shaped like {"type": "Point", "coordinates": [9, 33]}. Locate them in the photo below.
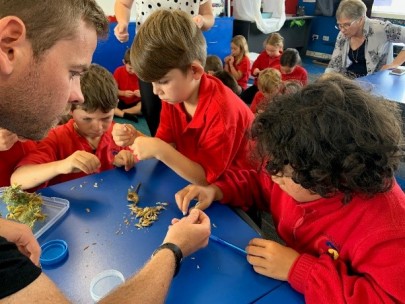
{"type": "Point", "coordinates": [98, 237]}
{"type": "Point", "coordinates": [383, 83]}
{"type": "Point", "coordinates": [283, 294]}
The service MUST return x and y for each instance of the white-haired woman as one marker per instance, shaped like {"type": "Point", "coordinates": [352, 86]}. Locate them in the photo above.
{"type": "Point", "coordinates": [363, 44]}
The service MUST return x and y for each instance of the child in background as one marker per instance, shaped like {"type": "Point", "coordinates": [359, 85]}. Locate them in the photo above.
{"type": "Point", "coordinates": [203, 125]}
{"type": "Point", "coordinates": [238, 64]}
{"type": "Point", "coordinates": [330, 152]}
{"type": "Point", "coordinates": [290, 67]}
{"type": "Point", "coordinates": [269, 58]}
{"type": "Point", "coordinates": [83, 145]}
{"type": "Point", "coordinates": [213, 64]}
{"type": "Point", "coordinates": [12, 150]}
{"type": "Point", "coordinates": [269, 84]}
{"type": "Point", "coordinates": [291, 87]}
{"type": "Point", "coordinates": [228, 80]}
{"type": "Point", "coordinates": [129, 96]}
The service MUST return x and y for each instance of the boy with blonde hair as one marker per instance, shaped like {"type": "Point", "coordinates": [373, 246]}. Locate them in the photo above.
{"type": "Point", "coordinates": [269, 84]}
{"type": "Point", "coordinates": [203, 124]}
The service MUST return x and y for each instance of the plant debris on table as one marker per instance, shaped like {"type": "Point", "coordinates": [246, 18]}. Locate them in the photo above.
{"type": "Point", "coordinates": [24, 207]}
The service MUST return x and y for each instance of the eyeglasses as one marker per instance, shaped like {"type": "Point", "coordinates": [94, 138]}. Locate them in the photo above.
{"type": "Point", "coordinates": [345, 26]}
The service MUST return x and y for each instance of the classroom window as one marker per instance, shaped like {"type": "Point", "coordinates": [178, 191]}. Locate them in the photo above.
{"type": "Point", "coordinates": [388, 9]}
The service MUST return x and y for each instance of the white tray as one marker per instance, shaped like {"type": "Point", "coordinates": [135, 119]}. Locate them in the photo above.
{"type": "Point", "coordinates": [53, 207]}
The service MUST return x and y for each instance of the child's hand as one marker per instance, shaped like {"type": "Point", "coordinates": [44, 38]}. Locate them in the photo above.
{"type": "Point", "coordinates": [128, 93]}
{"type": "Point", "coordinates": [199, 20]}
{"type": "Point", "coordinates": [256, 72]}
{"type": "Point", "coordinates": [137, 93]}
{"type": "Point", "coordinates": [148, 147]}
{"type": "Point", "coordinates": [81, 161]}
{"type": "Point", "coordinates": [121, 32]}
{"type": "Point", "coordinates": [123, 134]}
{"type": "Point", "coordinates": [227, 58]}
{"type": "Point", "coordinates": [270, 258]}
{"type": "Point", "coordinates": [124, 158]}
{"type": "Point", "coordinates": [7, 139]}
{"type": "Point", "coordinates": [204, 195]}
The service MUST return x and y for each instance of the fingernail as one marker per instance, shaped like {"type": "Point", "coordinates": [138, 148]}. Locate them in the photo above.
{"type": "Point", "coordinates": [184, 213]}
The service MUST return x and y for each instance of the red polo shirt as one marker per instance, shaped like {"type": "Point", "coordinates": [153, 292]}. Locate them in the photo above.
{"type": "Point", "coordinates": [62, 142]}
{"type": "Point", "coordinates": [126, 81]}
{"type": "Point", "coordinates": [298, 74]}
{"type": "Point", "coordinates": [10, 158]}
{"type": "Point", "coordinates": [215, 137]}
{"type": "Point", "coordinates": [244, 67]}
{"type": "Point", "coordinates": [264, 61]}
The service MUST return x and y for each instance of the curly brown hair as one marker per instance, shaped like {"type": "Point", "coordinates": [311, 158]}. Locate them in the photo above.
{"type": "Point", "coordinates": [336, 136]}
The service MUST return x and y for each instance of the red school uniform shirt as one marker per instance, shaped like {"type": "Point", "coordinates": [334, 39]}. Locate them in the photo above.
{"type": "Point", "coordinates": [126, 81]}
{"type": "Point", "coordinates": [350, 252]}
{"type": "Point", "coordinates": [62, 142]}
{"type": "Point", "coordinates": [244, 67]}
{"type": "Point", "coordinates": [264, 61]}
{"type": "Point", "coordinates": [298, 74]}
{"type": "Point", "coordinates": [10, 158]}
{"type": "Point", "coordinates": [216, 136]}
{"type": "Point", "coordinates": [257, 100]}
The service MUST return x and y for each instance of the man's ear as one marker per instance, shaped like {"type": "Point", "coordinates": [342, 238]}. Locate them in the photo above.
{"type": "Point", "coordinates": [12, 36]}
{"type": "Point", "coordinates": [197, 69]}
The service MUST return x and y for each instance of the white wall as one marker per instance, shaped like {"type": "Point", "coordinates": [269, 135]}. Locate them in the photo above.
{"type": "Point", "coordinates": [107, 6]}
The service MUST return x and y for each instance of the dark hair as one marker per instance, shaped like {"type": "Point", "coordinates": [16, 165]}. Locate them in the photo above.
{"type": "Point", "coordinates": [49, 21]}
{"type": "Point", "coordinates": [99, 89]}
{"type": "Point", "coordinates": [291, 86]}
{"type": "Point", "coordinates": [228, 80]}
{"type": "Point", "coordinates": [290, 58]}
{"type": "Point", "coordinates": [336, 137]}
{"type": "Point", "coordinates": [167, 40]}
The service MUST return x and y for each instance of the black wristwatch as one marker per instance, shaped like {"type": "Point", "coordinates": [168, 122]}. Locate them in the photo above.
{"type": "Point", "coordinates": [177, 254]}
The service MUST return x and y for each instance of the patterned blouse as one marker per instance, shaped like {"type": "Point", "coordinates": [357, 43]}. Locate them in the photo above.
{"type": "Point", "coordinates": [144, 8]}
{"type": "Point", "coordinates": [379, 38]}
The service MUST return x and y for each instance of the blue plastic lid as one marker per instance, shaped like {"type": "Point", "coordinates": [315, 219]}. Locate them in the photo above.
{"type": "Point", "coordinates": [53, 252]}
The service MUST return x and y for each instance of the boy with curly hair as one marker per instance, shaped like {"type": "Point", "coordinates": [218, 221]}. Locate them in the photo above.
{"type": "Point", "coordinates": [329, 152]}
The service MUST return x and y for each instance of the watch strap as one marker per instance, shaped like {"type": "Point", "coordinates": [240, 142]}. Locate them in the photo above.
{"type": "Point", "coordinates": [176, 251]}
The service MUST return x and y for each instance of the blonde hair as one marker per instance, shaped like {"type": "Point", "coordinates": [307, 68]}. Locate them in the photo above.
{"type": "Point", "coordinates": [274, 39]}
{"type": "Point", "coordinates": [269, 80]}
{"type": "Point", "coordinates": [241, 43]}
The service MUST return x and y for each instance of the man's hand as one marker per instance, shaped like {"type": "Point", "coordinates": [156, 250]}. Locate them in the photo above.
{"type": "Point", "coordinates": [22, 236]}
{"type": "Point", "coordinates": [190, 233]}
